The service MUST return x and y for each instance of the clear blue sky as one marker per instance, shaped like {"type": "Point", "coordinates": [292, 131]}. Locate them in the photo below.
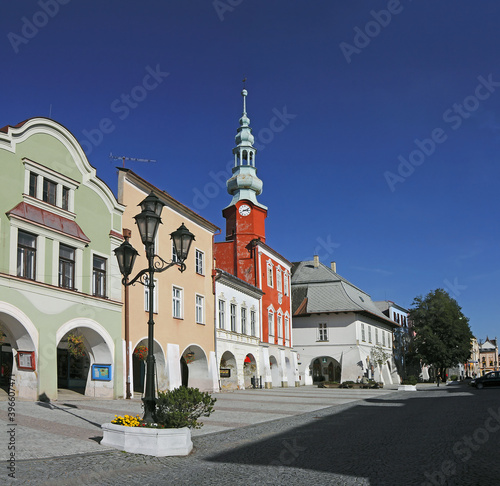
{"type": "Point", "coordinates": [367, 83]}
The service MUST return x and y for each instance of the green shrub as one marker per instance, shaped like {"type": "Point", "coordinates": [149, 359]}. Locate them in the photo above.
{"type": "Point", "coordinates": [411, 380]}
{"type": "Point", "coordinates": [183, 407]}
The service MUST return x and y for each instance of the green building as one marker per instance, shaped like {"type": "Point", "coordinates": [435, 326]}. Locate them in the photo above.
{"type": "Point", "coordinates": [60, 289]}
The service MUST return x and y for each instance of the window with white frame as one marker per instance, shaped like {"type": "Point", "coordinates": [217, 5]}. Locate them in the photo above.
{"type": "Point", "coordinates": [278, 279]}
{"type": "Point", "coordinates": [177, 302]}
{"type": "Point", "coordinates": [200, 256]}
{"type": "Point", "coordinates": [376, 336]}
{"type": "Point", "coordinates": [270, 322]}
{"type": "Point", "coordinates": [200, 309]}
{"type": "Point", "coordinates": [26, 255]}
{"type": "Point", "coordinates": [363, 335]}
{"type": "Point", "coordinates": [253, 323]}
{"type": "Point", "coordinates": [222, 314]}
{"type": "Point", "coordinates": [285, 284]}
{"type": "Point", "coordinates": [155, 295]}
{"type": "Point", "coordinates": [322, 332]}
{"type": "Point", "coordinates": [49, 186]}
{"type": "Point", "coordinates": [243, 320]}
{"type": "Point", "coordinates": [66, 267]}
{"type": "Point", "coordinates": [383, 338]}
{"type": "Point", "coordinates": [279, 322]}
{"type": "Point", "coordinates": [369, 334]}
{"type": "Point", "coordinates": [233, 317]}
{"type": "Point", "coordinates": [270, 279]}
{"type": "Point", "coordinates": [99, 276]}
{"type": "Point", "coordinates": [287, 328]}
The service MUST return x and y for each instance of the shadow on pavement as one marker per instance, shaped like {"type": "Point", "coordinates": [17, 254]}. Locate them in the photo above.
{"type": "Point", "coordinates": [447, 435]}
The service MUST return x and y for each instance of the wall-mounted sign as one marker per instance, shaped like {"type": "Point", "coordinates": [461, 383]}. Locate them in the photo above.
{"type": "Point", "coordinates": [225, 373]}
{"type": "Point", "coordinates": [26, 360]}
{"type": "Point", "coordinates": [101, 372]}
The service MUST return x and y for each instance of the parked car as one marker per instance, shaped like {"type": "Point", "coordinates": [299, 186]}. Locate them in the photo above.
{"type": "Point", "coordinates": [489, 379]}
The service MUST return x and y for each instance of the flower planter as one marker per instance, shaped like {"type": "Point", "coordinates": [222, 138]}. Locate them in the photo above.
{"type": "Point", "coordinates": [407, 387]}
{"type": "Point", "coordinates": [143, 440]}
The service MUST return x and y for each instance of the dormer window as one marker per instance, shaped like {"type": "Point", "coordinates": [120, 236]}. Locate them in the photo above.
{"type": "Point", "coordinates": [48, 189]}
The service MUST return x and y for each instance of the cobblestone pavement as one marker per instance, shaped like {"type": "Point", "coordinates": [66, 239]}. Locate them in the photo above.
{"type": "Point", "coordinates": [447, 435]}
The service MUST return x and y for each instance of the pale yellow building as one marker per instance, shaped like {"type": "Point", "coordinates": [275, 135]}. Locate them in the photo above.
{"type": "Point", "coordinates": [184, 302]}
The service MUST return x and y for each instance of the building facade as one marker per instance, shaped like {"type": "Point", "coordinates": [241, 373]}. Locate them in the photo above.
{"type": "Point", "coordinates": [245, 254]}
{"type": "Point", "coordinates": [238, 332]}
{"type": "Point", "coordinates": [339, 333]}
{"type": "Point", "coordinates": [488, 356]}
{"type": "Point", "coordinates": [60, 295]}
{"type": "Point", "coordinates": [183, 302]}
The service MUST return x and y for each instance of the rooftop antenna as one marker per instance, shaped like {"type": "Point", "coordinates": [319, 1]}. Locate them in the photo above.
{"type": "Point", "coordinates": [133, 159]}
{"type": "Point", "coordinates": [244, 81]}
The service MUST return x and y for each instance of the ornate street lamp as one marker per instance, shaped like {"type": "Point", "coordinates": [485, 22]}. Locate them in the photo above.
{"type": "Point", "coordinates": [148, 222]}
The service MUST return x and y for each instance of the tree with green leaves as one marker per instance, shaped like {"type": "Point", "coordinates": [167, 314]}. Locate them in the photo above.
{"type": "Point", "coordinates": [442, 335]}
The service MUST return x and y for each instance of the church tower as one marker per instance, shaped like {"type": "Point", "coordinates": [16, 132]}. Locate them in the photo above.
{"type": "Point", "coordinates": [245, 216]}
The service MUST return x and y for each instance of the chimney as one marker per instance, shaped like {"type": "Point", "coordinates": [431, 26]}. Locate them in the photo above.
{"type": "Point", "coordinates": [316, 261]}
{"type": "Point", "coordinates": [126, 233]}
{"type": "Point", "coordinates": [334, 266]}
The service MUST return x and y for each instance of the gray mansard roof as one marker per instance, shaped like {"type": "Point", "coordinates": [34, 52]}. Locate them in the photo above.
{"type": "Point", "coordinates": [321, 290]}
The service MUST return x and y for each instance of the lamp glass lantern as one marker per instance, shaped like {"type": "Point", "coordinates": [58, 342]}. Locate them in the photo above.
{"type": "Point", "coordinates": [182, 239]}
{"type": "Point", "coordinates": [152, 203]}
{"type": "Point", "coordinates": [126, 255]}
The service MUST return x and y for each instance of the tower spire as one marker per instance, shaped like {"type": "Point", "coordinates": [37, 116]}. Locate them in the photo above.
{"type": "Point", "coordinates": [244, 183]}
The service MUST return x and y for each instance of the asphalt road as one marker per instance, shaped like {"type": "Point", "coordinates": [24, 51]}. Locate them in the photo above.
{"type": "Point", "coordinates": [439, 436]}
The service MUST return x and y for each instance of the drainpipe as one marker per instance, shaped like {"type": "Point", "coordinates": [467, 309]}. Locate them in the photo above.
{"type": "Point", "coordinates": [214, 274]}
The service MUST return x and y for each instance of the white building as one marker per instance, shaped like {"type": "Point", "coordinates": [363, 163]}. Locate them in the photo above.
{"type": "Point", "coordinates": [238, 349]}
{"type": "Point", "coordinates": [337, 328]}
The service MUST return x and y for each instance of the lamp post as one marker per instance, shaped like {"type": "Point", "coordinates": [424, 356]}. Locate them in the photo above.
{"type": "Point", "coordinates": [148, 222]}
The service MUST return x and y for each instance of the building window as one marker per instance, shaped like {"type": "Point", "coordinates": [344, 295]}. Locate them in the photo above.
{"type": "Point", "coordinates": [174, 255]}
{"type": "Point", "coordinates": [270, 322]}
{"type": "Point", "coordinates": [146, 295]}
{"type": "Point", "coordinates": [177, 302]}
{"type": "Point", "coordinates": [270, 280]}
{"type": "Point", "coordinates": [322, 332]}
{"type": "Point", "coordinates": [65, 198]}
{"type": "Point", "coordinates": [222, 314]}
{"type": "Point", "coordinates": [49, 191]}
{"type": "Point", "coordinates": [363, 335]}
{"type": "Point", "coordinates": [383, 338]}
{"type": "Point", "coordinates": [66, 267]}
{"type": "Point", "coordinates": [99, 276]}
{"type": "Point", "coordinates": [26, 255]}
{"type": "Point", "coordinates": [233, 317]}
{"type": "Point", "coordinates": [200, 304]}
{"type": "Point", "coordinates": [280, 327]}
{"type": "Point", "coordinates": [199, 262]}
{"type": "Point", "coordinates": [285, 284]}
{"type": "Point", "coordinates": [287, 328]}
{"type": "Point", "coordinates": [243, 320]}
{"type": "Point", "coordinates": [369, 334]}
{"type": "Point", "coordinates": [278, 279]}
{"type": "Point", "coordinates": [376, 335]}
{"type": "Point", "coordinates": [252, 323]}
{"type": "Point", "coordinates": [33, 184]}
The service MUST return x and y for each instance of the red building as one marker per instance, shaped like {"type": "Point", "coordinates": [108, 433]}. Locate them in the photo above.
{"type": "Point", "coordinates": [246, 255]}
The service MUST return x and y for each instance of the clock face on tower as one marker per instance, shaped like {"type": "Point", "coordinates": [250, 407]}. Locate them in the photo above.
{"type": "Point", "coordinates": [244, 210]}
